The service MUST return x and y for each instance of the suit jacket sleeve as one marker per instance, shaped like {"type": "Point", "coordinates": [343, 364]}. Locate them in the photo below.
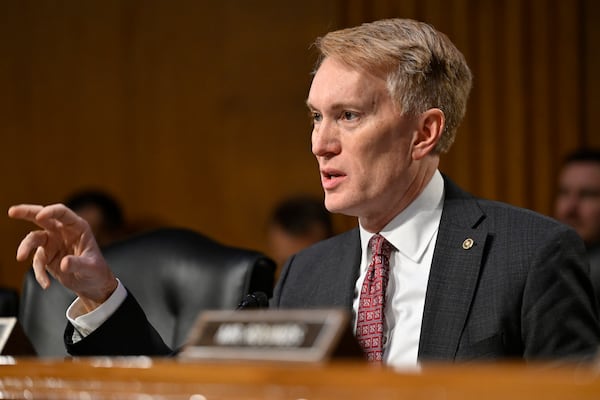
{"type": "Point", "coordinates": [559, 313]}
{"type": "Point", "coordinates": [126, 333]}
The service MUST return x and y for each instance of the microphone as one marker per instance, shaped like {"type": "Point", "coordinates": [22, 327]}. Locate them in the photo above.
{"type": "Point", "coordinates": [254, 300]}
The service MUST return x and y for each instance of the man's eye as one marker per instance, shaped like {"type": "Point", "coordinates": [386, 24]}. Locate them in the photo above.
{"type": "Point", "coordinates": [590, 193]}
{"type": "Point", "coordinates": [317, 117]}
{"type": "Point", "coordinates": [349, 115]}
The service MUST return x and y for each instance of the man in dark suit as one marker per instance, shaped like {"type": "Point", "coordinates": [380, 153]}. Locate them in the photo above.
{"type": "Point", "coordinates": [446, 276]}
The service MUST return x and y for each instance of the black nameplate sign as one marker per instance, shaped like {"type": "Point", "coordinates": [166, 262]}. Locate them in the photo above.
{"type": "Point", "coordinates": [277, 335]}
{"type": "Point", "coordinates": [13, 341]}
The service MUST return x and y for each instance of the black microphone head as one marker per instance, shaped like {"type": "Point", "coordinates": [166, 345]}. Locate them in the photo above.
{"type": "Point", "coordinates": [254, 300]}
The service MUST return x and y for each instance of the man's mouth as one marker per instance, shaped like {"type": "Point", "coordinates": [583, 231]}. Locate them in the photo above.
{"type": "Point", "coordinates": [331, 178]}
{"type": "Point", "coordinates": [331, 174]}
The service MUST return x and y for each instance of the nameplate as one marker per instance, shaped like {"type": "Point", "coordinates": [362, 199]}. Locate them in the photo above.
{"type": "Point", "coordinates": [271, 335]}
{"type": "Point", "coordinates": [13, 341]}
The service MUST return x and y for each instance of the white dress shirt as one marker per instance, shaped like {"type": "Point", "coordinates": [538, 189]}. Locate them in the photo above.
{"type": "Point", "coordinates": [86, 323]}
{"type": "Point", "coordinates": [413, 234]}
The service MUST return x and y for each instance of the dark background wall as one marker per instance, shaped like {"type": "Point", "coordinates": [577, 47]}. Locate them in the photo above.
{"type": "Point", "coordinates": [192, 112]}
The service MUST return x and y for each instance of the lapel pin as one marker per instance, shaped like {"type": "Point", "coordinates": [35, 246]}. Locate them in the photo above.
{"type": "Point", "coordinates": [468, 243]}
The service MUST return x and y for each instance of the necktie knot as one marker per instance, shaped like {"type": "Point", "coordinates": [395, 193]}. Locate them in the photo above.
{"type": "Point", "coordinates": [380, 247]}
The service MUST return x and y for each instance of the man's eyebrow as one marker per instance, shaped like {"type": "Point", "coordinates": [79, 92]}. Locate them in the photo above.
{"type": "Point", "coordinates": [335, 106]}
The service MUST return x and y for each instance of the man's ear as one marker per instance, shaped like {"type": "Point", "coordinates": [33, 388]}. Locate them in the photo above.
{"type": "Point", "coordinates": [430, 125]}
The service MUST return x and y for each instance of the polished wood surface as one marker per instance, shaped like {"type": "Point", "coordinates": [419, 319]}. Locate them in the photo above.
{"type": "Point", "coordinates": [146, 378]}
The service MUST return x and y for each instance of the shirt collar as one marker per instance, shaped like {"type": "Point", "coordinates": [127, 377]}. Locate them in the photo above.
{"type": "Point", "coordinates": [411, 231]}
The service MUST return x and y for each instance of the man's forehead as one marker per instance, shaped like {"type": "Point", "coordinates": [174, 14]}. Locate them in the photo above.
{"type": "Point", "coordinates": [590, 166]}
{"type": "Point", "coordinates": [337, 84]}
{"type": "Point", "coordinates": [580, 175]}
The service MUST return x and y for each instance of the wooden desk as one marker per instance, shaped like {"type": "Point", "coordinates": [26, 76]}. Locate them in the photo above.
{"type": "Point", "coordinates": [145, 379]}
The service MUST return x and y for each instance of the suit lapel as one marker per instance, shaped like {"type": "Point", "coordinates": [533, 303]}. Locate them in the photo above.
{"type": "Point", "coordinates": [325, 275]}
{"type": "Point", "coordinates": [454, 274]}
{"type": "Point", "coordinates": [339, 289]}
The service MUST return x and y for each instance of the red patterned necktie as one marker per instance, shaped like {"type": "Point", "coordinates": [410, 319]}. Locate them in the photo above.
{"type": "Point", "coordinates": [369, 326]}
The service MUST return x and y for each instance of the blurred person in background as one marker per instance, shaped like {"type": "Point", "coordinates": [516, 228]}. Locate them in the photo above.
{"type": "Point", "coordinates": [578, 203]}
{"type": "Point", "coordinates": [296, 223]}
{"type": "Point", "coordinates": [102, 211]}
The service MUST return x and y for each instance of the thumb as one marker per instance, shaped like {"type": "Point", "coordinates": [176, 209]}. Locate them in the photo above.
{"type": "Point", "coordinates": [72, 264]}
{"type": "Point", "coordinates": [89, 277]}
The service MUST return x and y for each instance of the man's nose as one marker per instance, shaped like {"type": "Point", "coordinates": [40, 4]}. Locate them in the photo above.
{"type": "Point", "coordinates": [568, 205]}
{"type": "Point", "coordinates": [325, 139]}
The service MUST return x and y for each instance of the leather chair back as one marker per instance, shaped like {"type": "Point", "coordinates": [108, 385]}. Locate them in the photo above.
{"type": "Point", "coordinates": [173, 273]}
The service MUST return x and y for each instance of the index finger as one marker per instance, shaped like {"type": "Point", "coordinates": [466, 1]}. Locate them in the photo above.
{"type": "Point", "coordinates": [48, 216]}
{"type": "Point", "coordinates": [25, 212]}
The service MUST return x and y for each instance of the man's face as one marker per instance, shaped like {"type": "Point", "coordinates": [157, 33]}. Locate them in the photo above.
{"type": "Point", "coordinates": [578, 200]}
{"type": "Point", "coordinates": [362, 143]}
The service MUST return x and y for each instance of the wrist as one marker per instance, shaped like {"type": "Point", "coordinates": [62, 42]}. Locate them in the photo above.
{"type": "Point", "coordinates": [91, 303]}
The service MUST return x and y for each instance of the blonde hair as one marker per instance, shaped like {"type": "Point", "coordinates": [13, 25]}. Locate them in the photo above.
{"type": "Point", "coordinates": [422, 66]}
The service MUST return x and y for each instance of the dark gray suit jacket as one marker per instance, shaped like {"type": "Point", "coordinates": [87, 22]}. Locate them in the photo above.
{"type": "Point", "coordinates": [522, 290]}
{"type": "Point", "coordinates": [593, 254]}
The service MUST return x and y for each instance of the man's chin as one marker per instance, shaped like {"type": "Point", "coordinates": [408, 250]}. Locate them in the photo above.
{"type": "Point", "coordinates": [333, 207]}
{"type": "Point", "coordinates": [338, 207]}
